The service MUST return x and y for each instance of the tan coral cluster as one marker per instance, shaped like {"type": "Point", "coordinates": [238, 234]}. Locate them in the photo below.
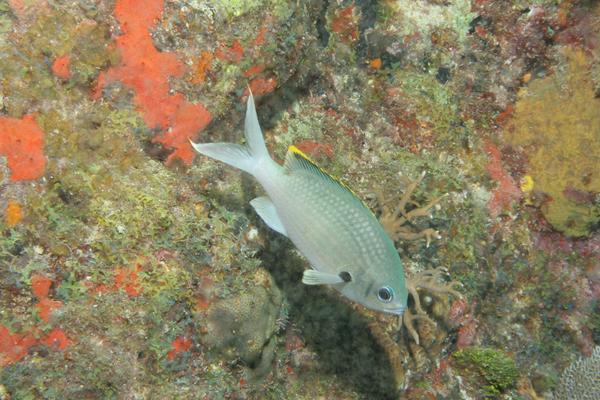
{"type": "Point", "coordinates": [432, 282]}
{"type": "Point", "coordinates": [415, 349]}
{"type": "Point", "coordinates": [396, 221]}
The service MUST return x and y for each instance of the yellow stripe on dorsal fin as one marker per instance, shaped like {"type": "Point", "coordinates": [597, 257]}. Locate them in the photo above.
{"type": "Point", "coordinates": [296, 150]}
{"type": "Point", "coordinates": [296, 160]}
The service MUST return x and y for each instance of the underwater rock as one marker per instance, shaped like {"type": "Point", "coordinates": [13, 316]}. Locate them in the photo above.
{"type": "Point", "coordinates": [242, 325]}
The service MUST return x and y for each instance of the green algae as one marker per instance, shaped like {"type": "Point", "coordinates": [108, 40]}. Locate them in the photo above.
{"type": "Point", "coordinates": [437, 107]}
{"type": "Point", "coordinates": [6, 22]}
{"type": "Point", "coordinates": [495, 368]}
{"type": "Point", "coordinates": [556, 121]}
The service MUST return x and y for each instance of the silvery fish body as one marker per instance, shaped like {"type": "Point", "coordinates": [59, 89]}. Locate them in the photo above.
{"type": "Point", "coordinates": [341, 238]}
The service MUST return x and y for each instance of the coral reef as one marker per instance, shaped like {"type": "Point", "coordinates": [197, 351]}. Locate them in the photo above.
{"type": "Point", "coordinates": [431, 282]}
{"type": "Point", "coordinates": [141, 63]}
{"type": "Point", "coordinates": [120, 251]}
{"type": "Point", "coordinates": [580, 379]}
{"type": "Point", "coordinates": [397, 222]}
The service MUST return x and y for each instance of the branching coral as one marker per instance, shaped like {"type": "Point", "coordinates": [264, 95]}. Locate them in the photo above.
{"type": "Point", "coordinates": [432, 281]}
{"type": "Point", "coordinates": [397, 221]}
{"type": "Point", "coordinates": [397, 355]}
{"type": "Point", "coordinates": [426, 338]}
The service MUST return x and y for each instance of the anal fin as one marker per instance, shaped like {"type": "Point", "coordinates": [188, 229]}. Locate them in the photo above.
{"type": "Point", "coordinates": [265, 208]}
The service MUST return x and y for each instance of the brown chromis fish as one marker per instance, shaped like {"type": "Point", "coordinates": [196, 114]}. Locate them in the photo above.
{"type": "Point", "coordinates": [344, 242]}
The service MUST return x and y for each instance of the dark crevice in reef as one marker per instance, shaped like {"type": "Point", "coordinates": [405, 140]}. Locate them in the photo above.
{"type": "Point", "coordinates": [321, 25]}
{"type": "Point", "coordinates": [368, 17]}
{"type": "Point", "coordinates": [271, 107]}
{"type": "Point", "coordinates": [156, 151]}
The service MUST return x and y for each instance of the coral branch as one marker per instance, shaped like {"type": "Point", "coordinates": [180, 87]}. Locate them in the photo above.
{"type": "Point", "coordinates": [432, 281]}
{"type": "Point", "coordinates": [395, 220]}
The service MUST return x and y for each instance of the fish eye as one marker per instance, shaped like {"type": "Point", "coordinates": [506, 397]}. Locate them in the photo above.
{"type": "Point", "coordinates": [385, 294]}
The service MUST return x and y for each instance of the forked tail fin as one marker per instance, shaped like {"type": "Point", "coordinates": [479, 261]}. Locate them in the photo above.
{"type": "Point", "coordinates": [244, 157]}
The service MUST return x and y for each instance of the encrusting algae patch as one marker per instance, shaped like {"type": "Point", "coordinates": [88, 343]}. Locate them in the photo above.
{"type": "Point", "coordinates": [22, 142]}
{"type": "Point", "coordinates": [557, 121]}
{"type": "Point", "coordinates": [61, 67]}
{"type": "Point", "coordinates": [15, 346]}
{"type": "Point", "coordinates": [147, 71]}
{"type": "Point", "coordinates": [13, 214]}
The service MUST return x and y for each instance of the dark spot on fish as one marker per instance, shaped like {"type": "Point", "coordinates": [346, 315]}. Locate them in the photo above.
{"type": "Point", "coordinates": [346, 277]}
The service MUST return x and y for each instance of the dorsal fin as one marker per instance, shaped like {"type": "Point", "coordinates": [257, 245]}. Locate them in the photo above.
{"type": "Point", "coordinates": [296, 160]}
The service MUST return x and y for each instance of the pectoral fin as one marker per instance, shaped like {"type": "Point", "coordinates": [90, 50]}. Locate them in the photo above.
{"type": "Point", "coordinates": [265, 208]}
{"type": "Point", "coordinates": [314, 277]}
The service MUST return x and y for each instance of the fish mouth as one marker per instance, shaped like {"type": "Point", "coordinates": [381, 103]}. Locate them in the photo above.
{"type": "Point", "coordinates": [397, 311]}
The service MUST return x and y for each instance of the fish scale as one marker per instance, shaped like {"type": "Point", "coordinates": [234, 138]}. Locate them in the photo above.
{"type": "Point", "coordinates": [344, 243]}
{"type": "Point", "coordinates": [330, 228]}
